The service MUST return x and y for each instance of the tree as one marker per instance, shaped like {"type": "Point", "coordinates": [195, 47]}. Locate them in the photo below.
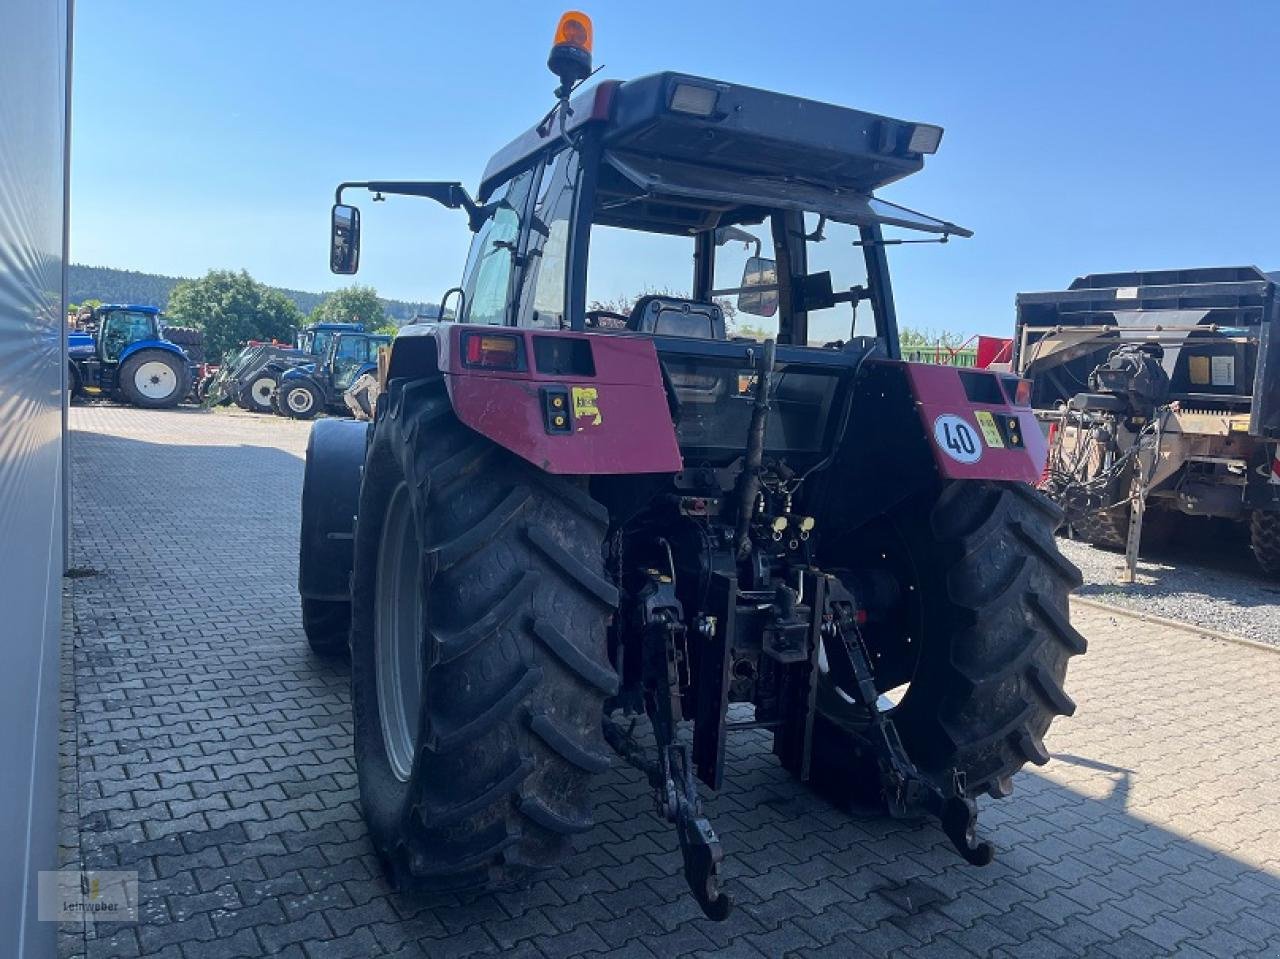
{"type": "Point", "coordinates": [919, 338]}
{"type": "Point", "coordinates": [352, 304]}
{"type": "Point", "coordinates": [230, 308]}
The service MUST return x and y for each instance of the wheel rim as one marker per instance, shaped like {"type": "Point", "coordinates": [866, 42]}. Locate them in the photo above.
{"type": "Point", "coordinates": [299, 400]}
{"type": "Point", "coordinates": [397, 635]}
{"type": "Point", "coordinates": [261, 390]}
{"type": "Point", "coordinates": [155, 380]}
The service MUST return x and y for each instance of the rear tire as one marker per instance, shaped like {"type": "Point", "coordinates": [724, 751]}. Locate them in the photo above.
{"type": "Point", "coordinates": [154, 379]}
{"type": "Point", "coordinates": [991, 626]}
{"type": "Point", "coordinates": [299, 401]}
{"type": "Point", "coordinates": [190, 339]}
{"type": "Point", "coordinates": [1264, 536]}
{"type": "Point", "coordinates": [1104, 528]}
{"type": "Point", "coordinates": [506, 608]}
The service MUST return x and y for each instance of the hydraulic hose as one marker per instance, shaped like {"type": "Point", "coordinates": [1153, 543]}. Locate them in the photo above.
{"type": "Point", "coordinates": [749, 480]}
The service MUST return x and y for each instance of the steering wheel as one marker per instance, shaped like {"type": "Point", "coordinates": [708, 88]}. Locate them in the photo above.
{"type": "Point", "coordinates": [593, 318]}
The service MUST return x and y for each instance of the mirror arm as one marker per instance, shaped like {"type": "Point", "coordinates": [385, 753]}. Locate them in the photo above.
{"type": "Point", "coordinates": [854, 295]}
{"type": "Point", "coordinates": [451, 195]}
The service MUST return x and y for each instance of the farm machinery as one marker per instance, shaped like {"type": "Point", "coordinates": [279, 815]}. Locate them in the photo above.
{"type": "Point", "coordinates": [1162, 391]}
{"type": "Point", "coordinates": [315, 387]}
{"type": "Point", "coordinates": [251, 376]}
{"type": "Point", "coordinates": [562, 521]}
{"type": "Point", "coordinates": [127, 351]}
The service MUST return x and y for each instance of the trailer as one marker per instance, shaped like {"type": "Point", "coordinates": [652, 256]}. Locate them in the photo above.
{"type": "Point", "coordinates": [1161, 393]}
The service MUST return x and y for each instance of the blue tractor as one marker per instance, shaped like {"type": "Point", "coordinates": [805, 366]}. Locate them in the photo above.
{"type": "Point", "coordinates": [312, 388]}
{"type": "Point", "coordinates": [123, 349]}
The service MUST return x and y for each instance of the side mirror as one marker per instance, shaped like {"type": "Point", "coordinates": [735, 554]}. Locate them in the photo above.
{"type": "Point", "coordinates": [759, 272]}
{"type": "Point", "coordinates": [344, 239]}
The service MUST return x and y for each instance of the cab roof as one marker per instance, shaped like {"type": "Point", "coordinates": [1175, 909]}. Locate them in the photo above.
{"type": "Point", "coordinates": [131, 307]}
{"type": "Point", "coordinates": [735, 128]}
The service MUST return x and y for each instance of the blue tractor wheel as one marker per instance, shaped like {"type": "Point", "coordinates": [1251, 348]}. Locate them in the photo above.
{"type": "Point", "coordinates": [300, 400]}
{"type": "Point", "coordinates": [154, 379]}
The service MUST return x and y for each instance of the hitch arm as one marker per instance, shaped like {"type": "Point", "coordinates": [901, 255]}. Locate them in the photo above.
{"type": "Point", "coordinates": [672, 776]}
{"type": "Point", "coordinates": [699, 846]}
{"type": "Point", "coordinates": [906, 790]}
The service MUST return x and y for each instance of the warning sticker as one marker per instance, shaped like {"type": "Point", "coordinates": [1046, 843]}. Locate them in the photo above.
{"type": "Point", "coordinates": [585, 404]}
{"type": "Point", "coordinates": [1223, 370]}
{"type": "Point", "coordinates": [957, 439]}
{"type": "Point", "coordinates": [1198, 370]}
{"type": "Point", "coordinates": [990, 432]}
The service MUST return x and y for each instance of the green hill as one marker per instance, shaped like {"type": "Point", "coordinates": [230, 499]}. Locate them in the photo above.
{"type": "Point", "coordinates": [128, 286]}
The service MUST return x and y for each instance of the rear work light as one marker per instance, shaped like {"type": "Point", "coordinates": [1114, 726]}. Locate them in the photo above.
{"type": "Point", "coordinates": [694, 99]}
{"type": "Point", "coordinates": [492, 351]}
{"type": "Point", "coordinates": [925, 138]}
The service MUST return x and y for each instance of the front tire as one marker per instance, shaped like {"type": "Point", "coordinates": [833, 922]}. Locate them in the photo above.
{"type": "Point", "coordinates": [985, 610]}
{"type": "Point", "coordinates": [299, 401]}
{"type": "Point", "coordinates": [481, 578]}
{"type": "Point", "coordinates": [154, 379]}
{"type": "Point", "coordinates": [257, 394]}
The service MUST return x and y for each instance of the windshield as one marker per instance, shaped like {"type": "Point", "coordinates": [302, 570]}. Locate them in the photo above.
{"type": "Point", "coordinates": [318, 342]}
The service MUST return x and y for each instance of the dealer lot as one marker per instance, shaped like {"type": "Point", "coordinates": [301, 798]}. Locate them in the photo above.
{"type": "Point", "coordinates": [206, 748]}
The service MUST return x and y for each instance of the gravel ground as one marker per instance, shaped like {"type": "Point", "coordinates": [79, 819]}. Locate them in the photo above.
{"type": "Point", "coordinates": [1207, 578]}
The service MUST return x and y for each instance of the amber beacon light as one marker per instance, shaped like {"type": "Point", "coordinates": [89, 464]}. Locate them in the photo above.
{"type": "Point", "coordinates": [570, 58]}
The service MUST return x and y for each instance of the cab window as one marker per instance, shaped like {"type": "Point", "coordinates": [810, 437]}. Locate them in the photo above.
{"type": "Point", "coordinates": [490, 266]}
{"type": "Point", "coordinates": [628, 264]}
{"type": "Point", "coordinates": [123, 327]}
{"type": "Point", "coordinates": [543, 297]}
{"type": "Point", "coordinates": [751, 315]}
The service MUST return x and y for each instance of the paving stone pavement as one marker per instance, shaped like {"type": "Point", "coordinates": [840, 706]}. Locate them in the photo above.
{"type": "Point", "coordinates": [206, 748]}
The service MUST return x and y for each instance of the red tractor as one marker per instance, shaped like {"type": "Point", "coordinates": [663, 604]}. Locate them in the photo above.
{"type": "Point", "coordinates": [562, 518]}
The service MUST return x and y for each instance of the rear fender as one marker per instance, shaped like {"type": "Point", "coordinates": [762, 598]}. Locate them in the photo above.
{"type": "Point", "coordinates": [609, 390]}
{"type": "Point", "coordinates": [972, 424]}
{"type": "Point", "coordinates": [330, 498]}
{"type": "Point", "coordinates": [141, 345]}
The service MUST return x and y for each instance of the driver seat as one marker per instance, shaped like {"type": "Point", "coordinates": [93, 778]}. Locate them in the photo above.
{"type": "Point", "coordinates": [674, 316]}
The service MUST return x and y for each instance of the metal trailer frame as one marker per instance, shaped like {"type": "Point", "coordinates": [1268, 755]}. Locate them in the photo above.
{"type": "Point", "coordinates": [1237, 308]}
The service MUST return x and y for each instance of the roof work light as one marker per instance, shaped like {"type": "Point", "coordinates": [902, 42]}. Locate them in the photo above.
{"type": "Point", "coordinates": [570, 58]}
{"type": "Point", "coordinates": [925, 138]}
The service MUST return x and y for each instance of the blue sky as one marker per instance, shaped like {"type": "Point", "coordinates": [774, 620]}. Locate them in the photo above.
{"type": "Point", "coordinates": [1081, 137]}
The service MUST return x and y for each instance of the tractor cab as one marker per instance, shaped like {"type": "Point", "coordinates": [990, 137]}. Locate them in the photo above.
{"type": "Point", "coordinates": [316, 338]}
{"type": "Point", "coordinates": [122, 326]}
{"type": "Point", "coordinates": [750, 234]}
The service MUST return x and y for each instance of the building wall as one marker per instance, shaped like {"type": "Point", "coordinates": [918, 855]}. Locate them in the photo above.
{"type": "Point", "coordinates": [33, 140]}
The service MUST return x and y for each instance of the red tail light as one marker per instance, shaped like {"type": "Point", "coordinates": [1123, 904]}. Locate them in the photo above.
{"type": "Point", "coordinates": [1017, 389]}
{"type": "Point", "coordinates": [492, 351]}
